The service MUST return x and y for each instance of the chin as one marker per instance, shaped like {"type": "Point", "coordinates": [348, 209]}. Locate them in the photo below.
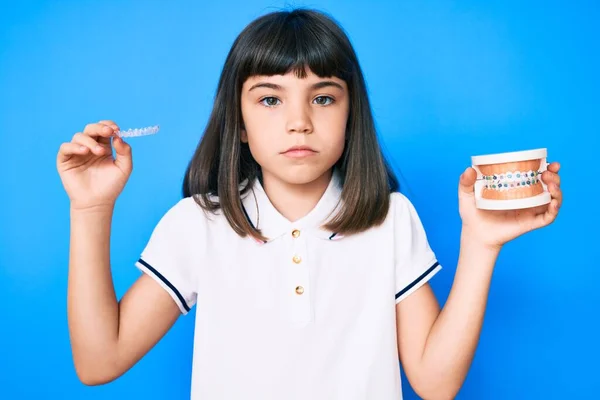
{"type": "Point", "coordinates": [297, 174]}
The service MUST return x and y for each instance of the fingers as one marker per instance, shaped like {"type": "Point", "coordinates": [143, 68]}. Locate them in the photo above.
{"type": "Point", "coordinates": [556, 193]}
{"type": "Point", "coordinates": [123, 158]}
{"type": "Point", "coordinates": [554, 167]}
{"type": "Point", "coordinates": [102, 130]}
{"type": "Point", "coordinates": [547, 217]}
{"type": "Point", "coordinates": [67, 150]}
{"type": "Point", "coordinates": [551, 177]}
{"type": "Point", "coordinates": [552, 180]}
{"type": "Point", "coordinates": [467, 181]}
{"type": "Point", "coordinates": [110, 123]}
{"type": "Point", "coordinates": [89, 142]}
{"type": "Point", "coordinates": [94, 139]}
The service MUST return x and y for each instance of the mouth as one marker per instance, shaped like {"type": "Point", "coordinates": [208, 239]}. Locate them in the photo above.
{"type": "Point", "coordinates": [299, 152]}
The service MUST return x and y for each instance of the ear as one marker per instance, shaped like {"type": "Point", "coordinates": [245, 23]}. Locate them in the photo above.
{"type": "Point", "coordinates": [243, 135]}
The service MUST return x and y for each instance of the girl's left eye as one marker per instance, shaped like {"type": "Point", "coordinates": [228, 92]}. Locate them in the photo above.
{"type": "Point", "coordinates": [324, 100]}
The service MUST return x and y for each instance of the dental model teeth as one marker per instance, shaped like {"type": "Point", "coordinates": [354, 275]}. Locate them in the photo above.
{"type": "Point", "coordinates": [511, 180]}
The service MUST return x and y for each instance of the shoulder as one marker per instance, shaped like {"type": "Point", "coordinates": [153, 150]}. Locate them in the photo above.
{"type": "Point", "coordinates": [401, 205]}
{"type": "Point", "coordinates": [403, 214]}
{"type": "Point", "coordinates": [398, 199]}
{"type": "Point", "coordinates": [182, 209]}
{"type": "Point", "coordinates": [185, 214]}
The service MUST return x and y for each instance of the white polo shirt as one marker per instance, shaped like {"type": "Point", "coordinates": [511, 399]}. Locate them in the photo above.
{"type": "Point", "coordinates": [308, 315]}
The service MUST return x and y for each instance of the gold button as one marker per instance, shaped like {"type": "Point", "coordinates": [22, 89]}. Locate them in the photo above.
{"type": "Point", "coordinates": [299, 290]}
{"type": "Point", "coordinates": [297, 259]}
{"type": "Point", "coordinates": [295, 233]}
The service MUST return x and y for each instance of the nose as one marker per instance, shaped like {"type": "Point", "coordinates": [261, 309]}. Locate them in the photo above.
{"type": "Point", "coordinates": [299, 121]}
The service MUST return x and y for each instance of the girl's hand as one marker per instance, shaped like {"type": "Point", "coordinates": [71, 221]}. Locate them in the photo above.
{"type": "Point", "coordinates": [495, 228]}
{"type": "Point", "coordinates": [89, 173]}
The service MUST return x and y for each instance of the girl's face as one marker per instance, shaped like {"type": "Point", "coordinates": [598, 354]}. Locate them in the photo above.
{"type": "Point", "coordinates": [295, 127]}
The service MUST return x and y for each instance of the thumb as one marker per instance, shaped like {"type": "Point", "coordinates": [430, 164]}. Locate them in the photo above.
{"type": "Point", "coordinates": [123, 154]}
{"type": "Point", "coordinates": [467, 181]}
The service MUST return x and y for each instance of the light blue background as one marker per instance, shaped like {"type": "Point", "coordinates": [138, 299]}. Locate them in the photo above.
{"type": "Point", "coordinates": [448, 80]}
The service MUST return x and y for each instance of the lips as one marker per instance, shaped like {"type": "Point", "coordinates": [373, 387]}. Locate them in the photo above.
{"type": "Point", "coordinates": [299, 148]}
{"type": "Point", "coordinates": [299, 151]}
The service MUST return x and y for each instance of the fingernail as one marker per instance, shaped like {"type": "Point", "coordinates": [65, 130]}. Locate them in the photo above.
{"type": "Point", "coordinates": [107, 129]}
{"type": "Point", "coordinates": [98, 148]}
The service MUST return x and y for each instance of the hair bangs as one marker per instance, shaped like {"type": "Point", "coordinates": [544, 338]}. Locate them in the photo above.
{"type": "Point", "coordinates": [293, 42]}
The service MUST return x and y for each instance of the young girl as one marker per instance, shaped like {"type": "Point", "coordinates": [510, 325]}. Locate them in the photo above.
{"type": "Point", "coordinates": [308, 266]}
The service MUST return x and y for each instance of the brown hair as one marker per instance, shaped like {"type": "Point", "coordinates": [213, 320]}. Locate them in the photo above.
{"type": "Point", "coordinates": [278, 43]}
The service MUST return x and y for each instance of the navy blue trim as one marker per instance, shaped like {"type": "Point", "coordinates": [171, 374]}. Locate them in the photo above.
{"type": "Point", "coordinates": [169, 284]}
{"type": "Point", "coordinates": [332, 235]}
{"type": "Point", "coordinates": [419, 279]}
{"type": "Point", "coordinates": [249, 220]}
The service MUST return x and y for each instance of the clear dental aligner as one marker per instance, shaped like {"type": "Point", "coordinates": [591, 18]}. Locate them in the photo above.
{"type": "Point", "coordinates": [149, 130]}
{"type": "Point", "coordinates": [511, 180]}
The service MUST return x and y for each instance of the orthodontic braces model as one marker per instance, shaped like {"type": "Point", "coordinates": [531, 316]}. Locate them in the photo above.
{"type": "Point", "coordinates": [493, 190]}
{"type": "Point", "coordinates": [149, 130]}
{"type": "Point", "coordinates": [511, 180]}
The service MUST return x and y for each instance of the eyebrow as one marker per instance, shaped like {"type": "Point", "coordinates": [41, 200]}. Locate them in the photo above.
{"type": "Point", "coordinates": [318, 85]}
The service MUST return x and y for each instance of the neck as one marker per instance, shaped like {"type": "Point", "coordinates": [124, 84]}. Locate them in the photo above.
{"type": "Point", "coordinates": [291, 200]}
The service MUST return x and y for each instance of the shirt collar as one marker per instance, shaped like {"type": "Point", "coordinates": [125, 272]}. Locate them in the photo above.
{"type": "Point", "coordinates": [264, 216]}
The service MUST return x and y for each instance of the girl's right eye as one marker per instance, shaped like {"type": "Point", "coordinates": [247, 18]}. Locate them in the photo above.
{"type": "Point", "coordinates": [269, 101]}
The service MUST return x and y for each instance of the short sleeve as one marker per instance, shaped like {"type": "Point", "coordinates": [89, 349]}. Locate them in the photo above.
{"type": "Point", "coordinates": [415, 261]}
{"type": "Point", "coordinates": [169, 258]}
